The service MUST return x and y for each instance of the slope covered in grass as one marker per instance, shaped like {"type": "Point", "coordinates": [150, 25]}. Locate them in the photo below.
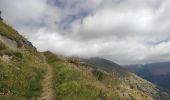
{"type": "Point", "coordinates": [21, 68]}
{"type": "Point", "coordinates": [78, 82]}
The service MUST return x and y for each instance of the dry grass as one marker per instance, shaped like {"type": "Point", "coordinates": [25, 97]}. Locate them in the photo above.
{"type": "Point", "coordinates": [20, 79]}
{"type": "Point", "coordinates": [9, 32]}
{"type": "Point", "coordinates": [2, 46]}
{"type": "Point", "coordinates": [72, 82]}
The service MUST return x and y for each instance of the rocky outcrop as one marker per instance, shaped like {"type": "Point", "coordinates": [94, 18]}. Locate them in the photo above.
{"type": "Point", "coordinates": [8, 42]}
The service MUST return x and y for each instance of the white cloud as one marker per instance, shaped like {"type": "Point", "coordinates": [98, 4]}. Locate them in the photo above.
{"type": "Point", "coordinates": [17, 10]}
{"type": "Point", "coordinates": [124, 31]}
{"type": "Point", "coordinates": [30, 15]}
{"type": "Point", "coordinates": [115, 23]}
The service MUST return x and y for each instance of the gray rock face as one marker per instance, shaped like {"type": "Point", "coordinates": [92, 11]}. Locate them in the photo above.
{"type": "Point", "coordinates": [8, 42]}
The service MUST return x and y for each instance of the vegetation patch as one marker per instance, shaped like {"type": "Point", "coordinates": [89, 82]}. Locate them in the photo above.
{"type": "Point", "coordinates": [9, 32]}
{"type": "Point", "coordinates": [72, 82]}
{"type": "Point", "coordinates": [98, 74]}
{"type": "Point", "coordinates": [2, 46]}
{"type": "Point", "coordinates": [20, 79]}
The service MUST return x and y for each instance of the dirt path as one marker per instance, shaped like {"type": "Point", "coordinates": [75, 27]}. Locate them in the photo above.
{"type": "Point", "coordinates": [47, 85]}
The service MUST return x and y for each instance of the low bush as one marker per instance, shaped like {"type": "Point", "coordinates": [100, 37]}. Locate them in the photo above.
{"type": "Point", "coordinates": [98, 74]}
{"type": "Point", "coordinates": [2, 46]}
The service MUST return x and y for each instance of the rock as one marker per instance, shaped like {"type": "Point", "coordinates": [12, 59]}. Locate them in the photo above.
{"type": "Point", "coordinates": [10, 43]}
{"type": "Point", "coordinates": [6, 58]}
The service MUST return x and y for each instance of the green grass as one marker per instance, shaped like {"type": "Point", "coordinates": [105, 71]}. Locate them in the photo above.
{"type": "Point", "coordinates": [72, 82]}
{"type": "Point", "coordinates": [69, 84]}
{"type": "Point", "coordinates": [2, 46]}
{"type": "Point", "coordinates": [20, 79]}
{"type": "Point", "coordinates": [9, 32]}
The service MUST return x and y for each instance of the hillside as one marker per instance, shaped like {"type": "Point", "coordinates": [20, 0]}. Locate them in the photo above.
{"type": "Point", "coordinates": [21, 66]}
{"type": "Point", "coordinates": [158, 73]}
{"type": "Point", "coordinates": [77, 80]}
{"type": "Point", "coordinates": [102, 63]}
{"type": "Point", "coordinates": [26, 74]}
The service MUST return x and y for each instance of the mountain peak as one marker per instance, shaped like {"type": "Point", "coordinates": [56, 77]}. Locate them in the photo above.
{"type": "Point", "coordinates": [103, 63]}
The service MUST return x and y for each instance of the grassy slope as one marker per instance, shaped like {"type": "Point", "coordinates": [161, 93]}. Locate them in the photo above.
{"type": "Point", "coordinates": [73, 82]}
{"type": "Point", "coordinates": [20, 78]}
{"type": "Point", "coordinates": [9, 32]}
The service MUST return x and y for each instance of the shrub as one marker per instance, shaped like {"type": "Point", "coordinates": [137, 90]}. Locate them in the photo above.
{"type": "Point", "coordinates": [98, 74]}
{"type": "Point", "coordinates": [18, 55]}
{"type": "Point", "coordinates": [2, 46]}
{"type": "Point", "coordinates": [74, 61]}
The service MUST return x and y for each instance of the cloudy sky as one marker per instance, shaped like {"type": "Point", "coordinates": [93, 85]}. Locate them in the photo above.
{"type": "Point", "coordinates": [124, 31]}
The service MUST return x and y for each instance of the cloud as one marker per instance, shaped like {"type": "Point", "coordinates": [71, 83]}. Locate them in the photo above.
{"type": "Point", "coordinates": [74, 9]}
{"type": "Point", "coordinates": [108, 22]}
{"type": "Point", "coordinates": [30, 15]}
{"type": "Point", "coordinates": [17, 10]}
{"type": "Point", "coordinates": [124, 31]}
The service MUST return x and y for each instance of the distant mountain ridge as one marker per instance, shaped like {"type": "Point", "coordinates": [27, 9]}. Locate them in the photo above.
{"type": "Point", "coordinates": [158, 73]}
{"type": "Point", "coordinates": [123, 84]}
{"type": "Point", "coordinates": [102, 63]}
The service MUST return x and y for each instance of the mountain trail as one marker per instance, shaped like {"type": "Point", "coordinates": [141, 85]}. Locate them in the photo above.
{"type": "Point", "coordinates": [47, 84]}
